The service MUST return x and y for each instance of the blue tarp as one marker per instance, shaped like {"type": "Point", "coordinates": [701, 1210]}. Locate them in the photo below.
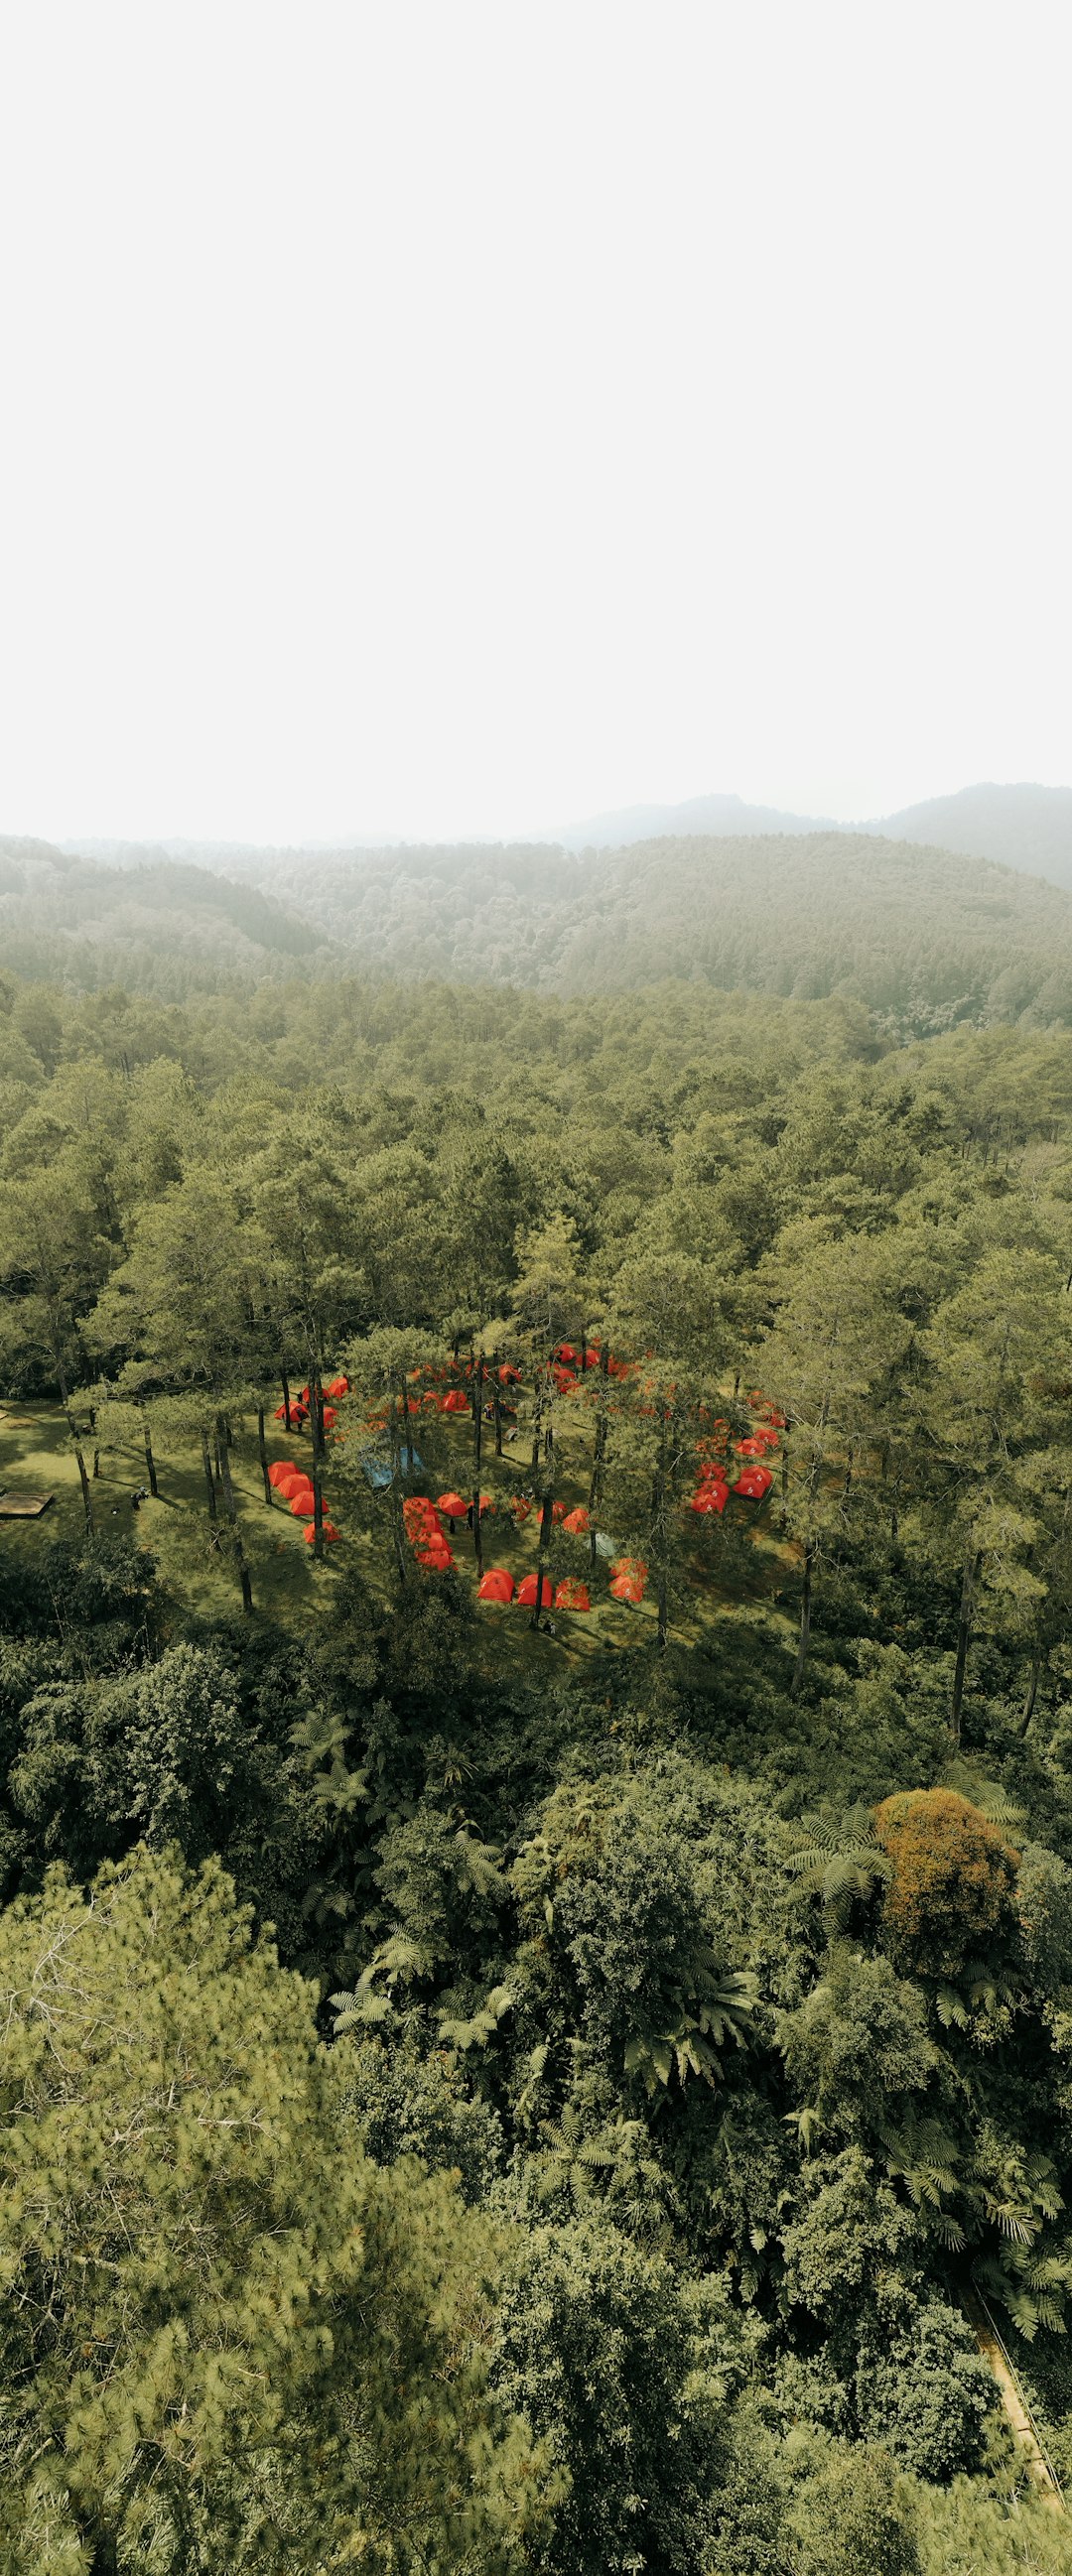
{"type": "Point", "coordinates": [380, 1472]}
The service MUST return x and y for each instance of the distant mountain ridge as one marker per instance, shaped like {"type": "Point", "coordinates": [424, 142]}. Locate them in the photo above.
{"type": "Point", "coordinates": [1022, 826]}
{"type": "Point", "coordinates": [920, 936]}
{"type": "Point", "coordinates": [724, 817]}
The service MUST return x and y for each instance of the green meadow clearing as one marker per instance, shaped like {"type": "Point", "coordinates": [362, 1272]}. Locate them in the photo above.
{"type": "Point", "coordinates": [290, 1587]}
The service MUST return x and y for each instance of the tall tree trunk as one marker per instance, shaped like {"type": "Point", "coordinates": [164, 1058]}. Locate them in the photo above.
{"type": "Point", "coordinates": [262, 1454]}
{"type": "Point", "coordinates": [316, 1429]}
{"type": "Point", "coordinates": [223, 1446]}
{"type": "Point", "coordinates": [285, 1384]}
{"type": "Point", "coordinates": [104, 2552]}
{"type": "Point", "coordinates": [537, 1419]}
{"type": "Point", "coordinates": [848, 1473]}
{"type": "Point", "coordinates": [96, 1465]}
{"type": "Point", "coordinates": [496, 1404]}
{"type": "Point", "coordinates": [217, 1463]}
{"type": "Point", "coordinates": [210, 1488]}
{"type": "Point", "coordinates": [75, 1437]}
{"type": "Point", "coordinates": [785, 1477]}
{"type": "Point", "coordinates": [1028, 1710]}
{"type": "Point", "coordinates": [542, 1577]}
{"type": "Point", "coordinates": [394, 1491]}
{"type": "Point", "coordinates": [972, 1564]}
{"type": "Point", "coordinates": [661, 1535]}
{"type": "Point", "coordinates": [150, 1462]}
{"type": "Point", "coordinates": [805, 1621]}
{"type": "Point", "coordinates": [478, 1440]}
{"type": "Point", "coordinates": [599, 1451]}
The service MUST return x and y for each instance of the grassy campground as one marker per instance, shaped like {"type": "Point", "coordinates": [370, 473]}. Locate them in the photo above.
{"type": "Point", "coordinates": [744, 1564]}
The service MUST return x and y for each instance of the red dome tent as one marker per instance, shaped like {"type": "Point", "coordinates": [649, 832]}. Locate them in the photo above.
{"type": "Point", "coordinates": [754, 1484]}
{"type": "Point", "coordinates": [572, 1596]}
{"type": "Point", "coordinates": [496, 1585]}
{"type": "Point", "coordinates": [627, 1588]}
{"type": "Point", "coordinates": [328, 1531]}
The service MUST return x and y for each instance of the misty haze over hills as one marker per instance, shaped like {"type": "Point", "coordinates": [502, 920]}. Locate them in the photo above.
{"type": "Point", "coordinates": [1024, 826]}
{"type": "Point", "coordinates": [921, 936]}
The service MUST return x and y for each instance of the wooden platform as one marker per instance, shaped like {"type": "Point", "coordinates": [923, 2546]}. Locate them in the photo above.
{"type": "Point", "coordinates": [23, 1507]}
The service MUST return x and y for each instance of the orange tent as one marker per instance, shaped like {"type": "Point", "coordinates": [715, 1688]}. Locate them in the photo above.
{"type": "Point", "coordinates": [328, 1531]}
{"type": "Point", "coordinates": [712, 1498]}
{"type": "Point", "coordinates": [754, 1484]}
{"type": "Point", "coordinates": [576, 1522]}
{"type": "Point", "coordinates": [496, 1585]}
{"type": "Point", "coordinates": [572, 1596]}
{"type": "Point", "coordinates": [453, 1505]}
{"type": "Point", "coordinates": [627, 1587]}
{"type": "Point", "coordinates": [525, 1595]}
{"type": "Point", "coordinates": [456, 1402]}
{"type": "Point", "coordinates": [338, 1386]}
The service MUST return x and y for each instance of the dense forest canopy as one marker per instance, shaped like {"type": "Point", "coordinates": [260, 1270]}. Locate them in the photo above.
{"type": "Point", "coordinates": [491, 2094]}
{"type": "Point", "coordinates": [922, 937]}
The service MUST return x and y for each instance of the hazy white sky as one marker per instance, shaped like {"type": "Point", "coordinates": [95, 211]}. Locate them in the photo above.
{"type": "Point", "coordinates": [426, 419]}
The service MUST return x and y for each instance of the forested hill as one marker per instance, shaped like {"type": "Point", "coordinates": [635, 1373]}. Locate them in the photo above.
{"type": "Point", "coordinates": [166, 927]}
{"type": "Point", "coordinates": [1023, 826]}
{"type": "Point", "coordinates": [923, 938]}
